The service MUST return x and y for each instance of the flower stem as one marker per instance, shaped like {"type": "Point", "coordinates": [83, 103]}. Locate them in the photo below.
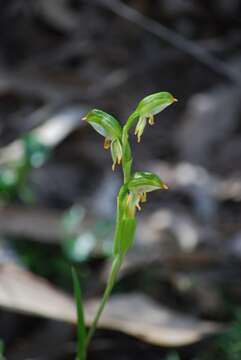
{"type": "Point", "coordinates": [127, 156]}
{"type": "Point", "coordinates": [116, 264]}
{"type": "Point", "coordinates": [118, 258]}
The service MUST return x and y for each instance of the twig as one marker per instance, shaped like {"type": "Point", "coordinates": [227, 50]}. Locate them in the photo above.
{"type": "Point", "coordinates": [61, 53]}
{"type": "Point", "coordinates": [51, 124]}
{"type": "Point", "coordinates": [173, 38]}
{"type": "Point", "coordinates": [58, 14]}
{"type": "Point", "coordinates": [35, 84]}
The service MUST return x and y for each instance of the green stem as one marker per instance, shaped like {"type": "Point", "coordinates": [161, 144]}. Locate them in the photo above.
{"type": "Point", "coordinates": [116, 264]}
{"type": "Point", "coordinates": [81, 331]}
{"type": "Point", "coordinates": [118, 259]}
{"type": "Point", "coordinates": [130, 121]}
{"type": "Point", "coordinates": [127, 156]}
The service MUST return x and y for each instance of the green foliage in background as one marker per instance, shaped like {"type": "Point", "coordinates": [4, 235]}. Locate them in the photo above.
{"type": "Point", "coordinates": [2, 350]}
{"type": "Point", "coordinates": [172, 356]}
{"type": "Point", "coordinates": [13, 175]}
{"type": "Point", "coordinates": [82, 241]}
{"type": "Point", "coordinates": [226, 346]}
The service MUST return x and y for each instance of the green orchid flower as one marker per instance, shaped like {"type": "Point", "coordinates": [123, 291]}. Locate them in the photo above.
{"type": "Point", "coordinates": [109, 127]}
{"type": "Point", "coordinates": [131, 194]}
{"type": "Point", "coordinates": [140, 184]}
{"type": "Point", "coordinates": [149, 107]}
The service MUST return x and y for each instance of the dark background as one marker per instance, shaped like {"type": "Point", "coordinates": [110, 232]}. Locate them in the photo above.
{"type": "Point", "coordinates": [58, 59]}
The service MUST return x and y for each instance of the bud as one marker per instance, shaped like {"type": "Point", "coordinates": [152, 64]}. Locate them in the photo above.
{"type": "Point", "coordinates": [150, 106]}
{"type": "Point", "coordinates": [107, 126]}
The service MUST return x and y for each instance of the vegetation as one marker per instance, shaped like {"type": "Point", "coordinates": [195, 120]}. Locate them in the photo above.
{"type": "Point", "coordinates": [132, 193]}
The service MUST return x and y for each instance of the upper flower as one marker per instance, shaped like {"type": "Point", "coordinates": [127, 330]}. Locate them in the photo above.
{"type": "Point", "coordinates": [150, 106]}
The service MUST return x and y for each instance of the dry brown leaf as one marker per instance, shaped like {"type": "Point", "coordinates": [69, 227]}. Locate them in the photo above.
{"type": "Point", "coordinates": [59, 125]}
{"type": "Point", "coordinates": [24, 292]}
{"type": "Point", "coordinates": [37, 224]}
{"type": "Point", "coordinates": [133, 314]}
{"type": "Point", "coordinates": [139, 316]}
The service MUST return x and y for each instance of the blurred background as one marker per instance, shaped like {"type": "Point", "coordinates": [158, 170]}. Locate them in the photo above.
{"type": "Point", "coordinates": [178, 296]}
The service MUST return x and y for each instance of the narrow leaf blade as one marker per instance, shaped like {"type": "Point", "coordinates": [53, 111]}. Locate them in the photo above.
{"type": "Point", "coordinates": [81, 330]}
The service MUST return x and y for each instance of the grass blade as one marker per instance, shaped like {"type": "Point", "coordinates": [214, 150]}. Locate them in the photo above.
{"type": "Point", "coordinates": [81, 330]}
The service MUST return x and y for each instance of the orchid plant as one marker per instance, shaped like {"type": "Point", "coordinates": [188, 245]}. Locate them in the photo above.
{"type": "Point", "coordinates": [132, 193]}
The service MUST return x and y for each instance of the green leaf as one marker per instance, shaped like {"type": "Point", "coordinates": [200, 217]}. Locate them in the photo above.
{"type": "Point", "coordinates": [81, 330]}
